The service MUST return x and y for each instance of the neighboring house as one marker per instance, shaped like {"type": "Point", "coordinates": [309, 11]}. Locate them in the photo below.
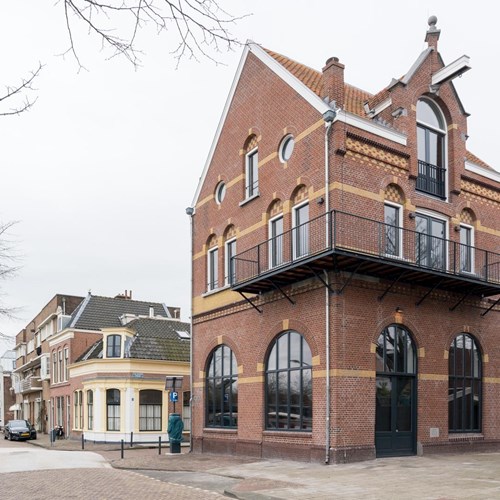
{"type": "Point", "coordinates": [31, 378]}
{"type": "Point", "coordinates": [118, 384]}
{"type": "Point", "coordinates": [83, 329]}
{"type": "Point", "coordinates": [346, 267]}
{"type": "Point", "coordinates": [7, 396]}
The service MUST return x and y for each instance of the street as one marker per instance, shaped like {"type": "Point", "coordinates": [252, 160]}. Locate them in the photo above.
{"type": "Point", "coordinates": [31, 472]}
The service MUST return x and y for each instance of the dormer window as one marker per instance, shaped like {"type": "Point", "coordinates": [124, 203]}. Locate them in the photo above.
{"type": "Point", "coordinates": [431, 146]}
{"type": "Point", "coordinates": [113, 346]}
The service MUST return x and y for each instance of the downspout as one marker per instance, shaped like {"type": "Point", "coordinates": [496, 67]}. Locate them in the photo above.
{"type": "Point", "coordinates": [190, 213]}
{"type": "Point", "coordinates": [328, 116]}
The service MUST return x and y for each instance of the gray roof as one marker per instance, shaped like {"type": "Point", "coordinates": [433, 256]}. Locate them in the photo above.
{"type": "Point", "coordinates": [97, 312]}
{"type": "Point", "coordinates": [154, 339]}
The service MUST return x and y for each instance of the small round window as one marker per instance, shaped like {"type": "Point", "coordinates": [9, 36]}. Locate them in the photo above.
{"type": "Point", "coordinates": [220, 192]}
{"type": "Point", "coordinates": [286, 148]}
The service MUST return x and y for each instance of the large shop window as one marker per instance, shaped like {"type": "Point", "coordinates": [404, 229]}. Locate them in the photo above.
{"type": "Point", "coordinates": [113, 409]}
{"type": "Point", "coordinates": [464, 388]}
{"type": "Point", "coordinates": [150, 403]}
{"type": "Point", "coordinates": [222, 389]}
{"type": "Point", "coordinates": [431, 140]}
{"type": "Point", "coordinates": [90, 410]}
{"type": "Point", "coordinates": [289, 384]}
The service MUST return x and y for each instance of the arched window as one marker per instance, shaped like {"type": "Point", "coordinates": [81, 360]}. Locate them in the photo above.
{"type": "Point", "coordinates": [289, 384]}
{"type": "Point", "coordinates": [431, 147]}
{"type": "Point", "coordinates": [464, 388]}
{"type": "Point", "coordinates": [150, 403]}
{"type": "Point", "coordinates": [222, 389]}
{"type": "Point", "coordinates": [113, 346]}
{"type": "Point", "coordinates": [90, 410]}
{"type": "Point", "coordinates": [113, 409]}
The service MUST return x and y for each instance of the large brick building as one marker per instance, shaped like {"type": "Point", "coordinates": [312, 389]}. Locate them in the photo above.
{"type": "Point", "coordinates": [345, 274]}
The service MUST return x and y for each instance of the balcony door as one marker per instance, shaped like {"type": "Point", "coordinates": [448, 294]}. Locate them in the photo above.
{"type": "Point", "coordinates": [430, 242]}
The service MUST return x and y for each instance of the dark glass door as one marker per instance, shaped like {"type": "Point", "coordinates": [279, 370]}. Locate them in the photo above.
{"type": "Point", "coordinates": [395, 415]}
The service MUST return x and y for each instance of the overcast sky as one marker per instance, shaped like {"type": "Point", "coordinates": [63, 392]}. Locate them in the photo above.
{"type": "Point", "coordinates": [100, 171]}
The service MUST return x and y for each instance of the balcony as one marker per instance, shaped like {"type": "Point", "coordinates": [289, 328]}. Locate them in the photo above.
{"type": "Point", "coordinates": [339, 241]}
{"type": "Point", "coordinates": [431, 179]}
{"type": "Point", "coordinates": [31, 384]}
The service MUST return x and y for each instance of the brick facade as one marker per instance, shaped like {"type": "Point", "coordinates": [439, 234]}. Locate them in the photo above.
{"type": "Point", "coordinates": [372, 160]}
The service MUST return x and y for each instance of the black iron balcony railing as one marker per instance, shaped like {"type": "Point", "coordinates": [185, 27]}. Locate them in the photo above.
{"type": "Point", "coordinates": [355, 238]}
{"type": "Point", "coordinates": [431, 179]}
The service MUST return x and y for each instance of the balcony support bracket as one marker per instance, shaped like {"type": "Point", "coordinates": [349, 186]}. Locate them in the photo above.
{"type": "Point", "coordinates": [460, 301]}
{"type": "Point", "coordinates": [388, 289]}
{"type": "Point", "coordinates": [330, 289]}
{"type": "Point", "coordinates": [428, 293]}
{"type": "Point", "coordinates": [491, 307]}
{"type": "Point", "coordinates": [349, 279]}
{"type": "Point", "coordinates": [282, 292]}
{"type": "Point", "coordinates": [250, 302]}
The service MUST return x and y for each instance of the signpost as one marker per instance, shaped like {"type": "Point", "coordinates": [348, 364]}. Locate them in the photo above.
{"type": "Point", "coordinates": [175, 425]}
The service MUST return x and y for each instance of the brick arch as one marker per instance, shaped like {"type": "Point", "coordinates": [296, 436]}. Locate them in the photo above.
{"type": "Point", "coordinates": [467, 216]}
{"type": "Point", "coordinates": [300, 193]}
{"type": "Point", "coordinates": [471, 206]}
{"type": "Point", "coordinates": [393, 192]}
{"type": "Point", "coordinates": [210, 348]}
{"type": "Point", "coordinates": [251, 142]}
{"type": "Point", "coordinates": [212, 241]}
{"type": "Point", "coordinates": [479, 339]}
{"type": "Point", "coordinates": [408, 325]}
{"type": "Point", "coordinates": [229, 232]}
{"type": "Point", "coordinates": [274, 208]}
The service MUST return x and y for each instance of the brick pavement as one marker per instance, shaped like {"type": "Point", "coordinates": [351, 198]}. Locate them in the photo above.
{"type": "Point", "coordinates": [99, 484]}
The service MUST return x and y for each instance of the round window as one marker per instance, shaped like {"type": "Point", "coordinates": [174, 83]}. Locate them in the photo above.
{"type": "Point", "coordinates": [286, 148]}
{"type": "Point", "coordinates": [220, 192]}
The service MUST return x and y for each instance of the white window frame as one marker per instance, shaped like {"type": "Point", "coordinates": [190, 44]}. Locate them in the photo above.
{"type": "Point", "coordinates": [227, 260]}
{"type": "Point", "coordinates": [284, 141]}
{"type": "Point", "coordinates": [429, 213]}
{"type": "Point", "coordinates": [212, 284]}
{"type": "Point", "coordinates": [295, 209]}
{"type": "Point", "coordinates": [434, 105]}
{"type": "Point", "coordinates": [251, 189]}
{"type": "Point", "coordinates": [400, 254]}
{"type": "Point", "coordinates": [472, 249]}
{"type": "Point", "coordinates": [272, 220]}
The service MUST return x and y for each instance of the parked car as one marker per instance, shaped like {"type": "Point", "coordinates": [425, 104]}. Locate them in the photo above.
{"type": "Point", "coordinates": [19, 429]}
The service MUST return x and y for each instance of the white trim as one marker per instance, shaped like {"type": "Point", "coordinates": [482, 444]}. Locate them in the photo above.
{"type": "Point", "coordinates": [420, 59]}
{"type": "Point", "coordinates": [446, 220]}
{"type": "Point", "coordinates": [380, 107]}
{"type": "Point", "coordinates": [281, 147]}
{"type": "Point", "coordinates": [219, 197]}
{"type": "Point", "coordinates": [295, 208]}
{"type": "Point", "coordinates": [370, 126]}
{"type": "Point", "coordinates": [477, 169]}
{"type": "Point", "coordinates": [271, 242]}
{"type": "Point", "coordinates": [399, 228]}
{"type": "Point", "coordinates": [472, 249]}
{"type": "Point", "coordinates": [252, 189]}
{"type": "Point", "coordinates": [62, 338]}
{"type": "Point", "coordinates": [226, 260]}
{"type": "Point", "coordinates": [451, 71]}
{"type": "Point", "coordinates": [209, 269]}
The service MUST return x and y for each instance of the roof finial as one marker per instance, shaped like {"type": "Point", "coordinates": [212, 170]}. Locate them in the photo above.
{"type": "Point", "coordinates": [432, 35]}
{"type": "Point", "coordinates": [432, 21]}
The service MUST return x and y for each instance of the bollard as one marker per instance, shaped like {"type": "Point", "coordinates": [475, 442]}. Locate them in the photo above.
{"type": "Point", "coordinates": [159, 445]}
{"type": "Point", "coordinates": [83, 442]}
{"type": "Point", "coordinates": [122, 448]}
{"type": "Point", "coordinates": [132, 439]}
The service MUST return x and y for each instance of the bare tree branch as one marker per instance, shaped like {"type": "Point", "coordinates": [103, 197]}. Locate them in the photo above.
{"type": "Point", "coordinates": [201, 26]}
{"type": "Point", "coordinates": [8, 257]}
{"type": "Point", "coordinates": [20, 91]}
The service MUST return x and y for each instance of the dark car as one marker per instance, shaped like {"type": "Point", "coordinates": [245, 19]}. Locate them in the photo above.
{"type": "Point", "coordinates": [19, 429]}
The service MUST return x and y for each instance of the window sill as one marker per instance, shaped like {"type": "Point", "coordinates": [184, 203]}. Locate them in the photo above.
{"type": "Point", "coordinates": [250, 198]}
{"type": "Point", "coordinates": [215, 290]}
{"type": "Point", "coordinates": [220, 430]}
{"type": "Point", "coordinates": [297, 433]}
{"type": "Point", "coordinates": [466, 436]}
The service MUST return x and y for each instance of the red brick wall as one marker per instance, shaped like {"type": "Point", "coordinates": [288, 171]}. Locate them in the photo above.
{"type": "Point", "coordinates": [266, 106]}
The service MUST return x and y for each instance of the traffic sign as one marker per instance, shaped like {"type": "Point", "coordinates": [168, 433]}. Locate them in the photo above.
{"type": "Point", "coordinates": [174, 396]}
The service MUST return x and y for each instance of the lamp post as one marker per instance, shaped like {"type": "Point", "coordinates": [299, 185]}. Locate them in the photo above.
{"type": "Point", "coordinates": [175, 425]}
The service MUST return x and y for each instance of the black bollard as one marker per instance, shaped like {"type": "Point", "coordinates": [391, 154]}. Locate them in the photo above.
{"type": "Point", "coordinates": [122, 448]}
{"type": "Point", "coordinates": [159, 445]}
{"type": "Point", "coordinates": [132, 439]}
{"type": "Point", "coordinates": [83, 442]}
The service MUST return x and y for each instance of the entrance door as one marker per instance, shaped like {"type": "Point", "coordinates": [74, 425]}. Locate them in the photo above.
{"type": "Point", "coordinates": [395, 421]}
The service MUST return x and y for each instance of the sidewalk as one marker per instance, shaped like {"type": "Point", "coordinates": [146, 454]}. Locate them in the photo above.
{"type": "Point", "coordinates": [467, 476]}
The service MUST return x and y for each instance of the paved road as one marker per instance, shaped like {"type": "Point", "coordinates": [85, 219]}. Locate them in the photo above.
{"type": "Point", "coordinates": [38, 474]}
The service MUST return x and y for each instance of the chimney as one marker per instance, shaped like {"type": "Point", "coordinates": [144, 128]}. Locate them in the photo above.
{"type": "Point", "coordinates": [433, 33]}
{"type": "Point", "coordinates": [151, 312]}
{"type": "Point", "coordinates": [333, 81]}
{"type": "Point", "coordinates": [126, 295]}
